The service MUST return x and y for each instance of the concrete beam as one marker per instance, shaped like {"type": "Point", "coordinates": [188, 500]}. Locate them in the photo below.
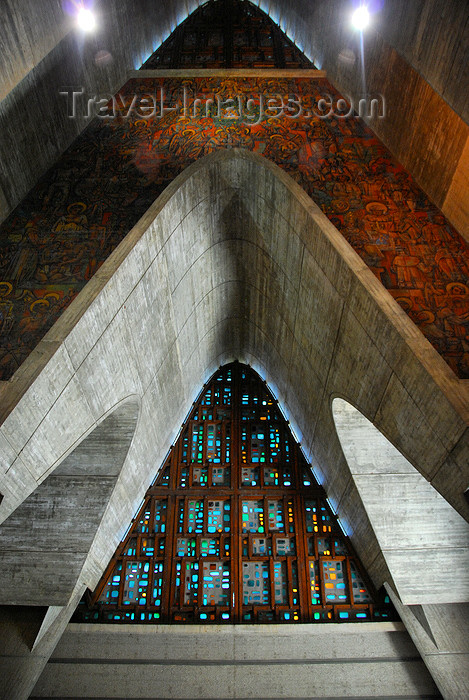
{"type": "Point", "coordinates": [275, 661]}
{"type": "Point", "coordinates": [441, 634]}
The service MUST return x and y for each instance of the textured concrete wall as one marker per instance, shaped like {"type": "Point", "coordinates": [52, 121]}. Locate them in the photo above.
{"type": "Point", "coordinates": [407, 515]}
{"type": "Point", "coordinates": [29, 32]}
{"type": "Point", "coordinates": [47, 551]}
{"type": "Point", "coordinates": [45, 542]}
{"type": "Point", "coordinates": [428, 34]}
{"type": "Point", "coordinates": [272, 661]}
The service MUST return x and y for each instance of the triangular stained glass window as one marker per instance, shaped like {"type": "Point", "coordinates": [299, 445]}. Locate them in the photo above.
{"type": "Point", "coordinates": [228, 34]}
{"type": "Point", "coordinates": [235, 527]}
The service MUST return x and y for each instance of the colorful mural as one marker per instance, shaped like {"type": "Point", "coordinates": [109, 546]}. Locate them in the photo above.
{"type": "Point", "coordinates": [57, 238]}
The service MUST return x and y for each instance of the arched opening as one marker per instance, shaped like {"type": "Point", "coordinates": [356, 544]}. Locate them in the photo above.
{"type": "Point", "coordinates": [425, 542]}
{"type": "Point", "coordinates": [234, 528]}
{"type": "Point", "coordinates": [46, 544]}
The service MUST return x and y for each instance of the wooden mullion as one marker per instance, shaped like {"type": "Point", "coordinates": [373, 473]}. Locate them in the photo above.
{"type": "Point", "coordinates": [104, 581]}
{"type": "Point", "coordinates": [236, 597]}
{"type": "Point", "coordinates": [175, 464]}
{"type": "Point", "coordinates": [289, 568]}
{"type": "Point", "coordinates": [349, 582]}
{"type": "Point", "coordinates": [169, 545]}
{"type": "Point", "coordinates": [182, 587]}
{"type": "Point", "coordinates": [205, 500]}
{"type": "Point", "coordinates": [304, 581]}
{"type": "Point", "coordinates": [295, 463]}
{"type": "Point", "coordinates": [185, 500]}
{"type": "Point", "coordinates": [200, 586]}
{"type": "Point", "coordinates": [270, 568]}
{"type": "Point", "coordinates": [236, 560]}
{"type": "Point", "coordinates": [119, 603]}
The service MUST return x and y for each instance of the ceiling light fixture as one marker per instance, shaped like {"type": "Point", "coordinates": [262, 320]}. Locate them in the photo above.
{"type": "Point", "coordinates": [361, 18]}
{"type": "Point", "coordinates": [86, 20]}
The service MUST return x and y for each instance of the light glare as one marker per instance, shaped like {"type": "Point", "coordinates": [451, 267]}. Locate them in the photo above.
{"type": "Point", "coordinates": [86, 20]}
{"type": "Point", "coordinates": [361, 18]}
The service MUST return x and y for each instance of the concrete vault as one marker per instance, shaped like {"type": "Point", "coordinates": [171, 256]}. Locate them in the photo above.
{"type": "Point", "coordinates": [232, 261]}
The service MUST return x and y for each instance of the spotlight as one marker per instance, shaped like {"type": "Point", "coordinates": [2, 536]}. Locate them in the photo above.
{"type": "Point", "coordinates": [361, 18]}
{"type": "Point", "coordinates": [86, 20]}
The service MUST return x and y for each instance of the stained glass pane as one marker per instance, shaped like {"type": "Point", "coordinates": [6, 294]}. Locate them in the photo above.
{"type": "Point", "coordinates": [314, 583]}
{"type": "Point", "coordinates": [216, 583]}
{"type": "Point", "coordinates": [220, 476]}
{"type": "Point", "coordinates": [271, 476]}
{"type": "Point", "coordinates": [262, 546]}
{"type": "Point", "coordinates": [324, 546]}
{"type": "Point", "coordinates": [218, 516]}
{"type": "Point", "coordinates": [195, 516]}
{"type": "Point", "coordinates": [136, 581]}
{"type": "Point", "coordinates": [285, 545]}
{"type": "Point", "coordinates": [143, 524]}
{"type": "Point", "coordinates": [250, 476]}
{"type": "Point", "coordinates": [275, 515]}
{"type": "Point", "coordinates": [209, 547]}
{"type": "Point", "coordinates": [200, 476]}
{"type": "Point", "coordinates": [190, 582]}
{"type": "Point", "coordinates": [256, 584]}
{"type": "Point", "coordinates": [253, 516]}
{"type": "Point", "coordinates": [359, 590]}
{"type": "Point", "coordinates": [280, 583]}
{"type": "Point", "coordinates": [160, 516]}
{"type": "Point", "coordinates": [147, 546]}
{"type": "Point", "coordinates": [335, 581]}
{"type": "Point", "coordinates": [186, 547]}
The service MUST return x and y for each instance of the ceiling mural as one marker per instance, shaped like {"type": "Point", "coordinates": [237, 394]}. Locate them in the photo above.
{"type": "Point", "coordinates": [61, 233]}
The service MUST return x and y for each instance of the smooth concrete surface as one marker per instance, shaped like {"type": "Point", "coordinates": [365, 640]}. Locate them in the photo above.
{"type": "Point", "coordinates": [422, 537]}
{"type": "Point", "coordinates": [270, 661]}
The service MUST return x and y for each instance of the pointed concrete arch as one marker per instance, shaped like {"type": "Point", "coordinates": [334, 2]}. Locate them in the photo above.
{"type": "Point", "coordinates": [234, 261]}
